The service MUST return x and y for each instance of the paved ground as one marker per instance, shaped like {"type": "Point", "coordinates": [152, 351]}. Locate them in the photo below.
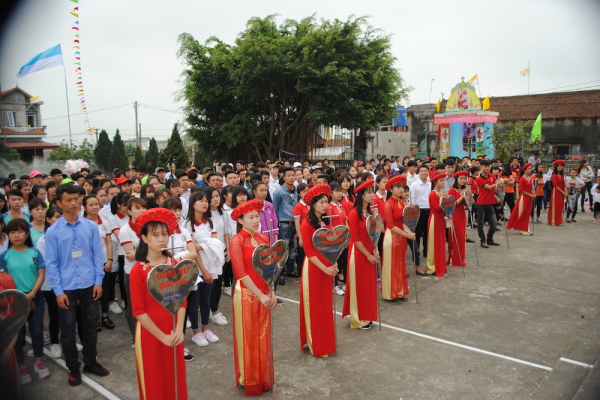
{"type": "Point", "coordinates": [524, 325]}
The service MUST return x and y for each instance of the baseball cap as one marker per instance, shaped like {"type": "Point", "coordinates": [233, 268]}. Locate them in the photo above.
{"type": "Point", "coordinates": [360, 163]}
{"type": "Point", "coordinates": [34, 173]}
{"type": "Point", "coordinates": [206, 169]}
{"type": "Point", "coordinates": [122, 180]}
{"type": "Point", "coordinates": [158, 169]}
{"type": "Point", "coordinates": [297, 164]}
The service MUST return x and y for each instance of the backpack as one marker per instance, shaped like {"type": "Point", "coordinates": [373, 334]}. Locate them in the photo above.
{"type": "Point", "coordinates": [548, 186]}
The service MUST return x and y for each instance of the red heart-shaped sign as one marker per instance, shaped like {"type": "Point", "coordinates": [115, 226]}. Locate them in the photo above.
{"type": "Point", "coordinates": [410, 216]}
{"type": "Point", "coordinates": [268, 261]}
{"type": "Point", "coordinates": [501, 190]}
{"type": "Point", "coordinates": [170, 286]}
{"type": "Point", "coordinates": [374, 227]}
{"type": "Point", "coordinates": [448, 203]}
{"type": "Point", "coordinates": [14, 310]}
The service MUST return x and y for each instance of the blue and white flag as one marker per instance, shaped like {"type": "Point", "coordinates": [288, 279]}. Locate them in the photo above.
{"type": "Point", "coordinates": [47, 59]}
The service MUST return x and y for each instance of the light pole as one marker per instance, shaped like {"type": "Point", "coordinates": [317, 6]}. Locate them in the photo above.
{"type": "Point", "coordinates": [430, 88]}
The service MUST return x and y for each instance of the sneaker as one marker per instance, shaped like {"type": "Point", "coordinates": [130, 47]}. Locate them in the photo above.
{"type": "Point", "coordinates": [218, 318]}
{"type": "Point", "coordinates": [281, 280]}
{"type": "Point", "coordinates": [56, 351]}
{"type": "Point", "coordinates": [46, 338]}
{"type": "Point", "coordinates": [187, 356]}
{"type": "Point", "coordinates": [379, 283]}
{"type": "Point", "coordinates": [227, 290]}
{"type": "Point", "coordinates": [114, 308]}
{"type": "Point", "coordinates": [79, 347]}
{"type": "Point", "coordinates": [75, 377]}
{"type": "Point", "coordinates": [188, 324]}
{"type": "Point", "coordinates": [96, 369]}
{"type": "Point", "coordinates": [40, 368]}
{"type": "Point", "coordinates": [133, 343]}
{"type": "Point", "coordinates": [367, 326]}
{"type": "Point", "coordinates": [210, 336]}
{"type": "Point", "coordinates": [122, 305]}
{"type": "Point", "coordinates": [279, 301]}
{"type": "Point", "coordinates": [200, 340]}
{"type": "Point", "coordinates": [25, 377]}
{"type": "Point", "coordinates": [28, 352]}
{"type": "Point", "coordinates": [339, 291]}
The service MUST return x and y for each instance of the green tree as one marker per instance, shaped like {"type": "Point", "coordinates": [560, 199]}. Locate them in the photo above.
{"type": "Point", "coordinates": [118, 157]}
{"type": "Point", "coordinates": [518, 137]}
{"type": "Point", "coordinates": [7, 153]}
{"type": "Point", "coordinates": [65, 151]}
{"type": "Point", "coordinates": [103, 150]}
{"type": "Point", "coordinates": [277, 84]}
{"type": "Point", "coordinates": [130, 150]}
{"type": "Point", "coordinates": [138, 158]}
{"type": "Point", "coordinates": [152, 156]}
{"type": "Point", "coordinates": [175, 150]}
{"type": "Point", "coordinates": [85, 151]}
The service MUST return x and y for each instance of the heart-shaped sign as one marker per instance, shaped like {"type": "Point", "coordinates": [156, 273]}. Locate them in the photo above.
{"type": "Point", "coordinates": [170, 285]}
{"type": "Point", "coordinates": [448, 203]}
{"type": "Point", "coordinates": [501, 191]}
{"type": "Point", "coordinates": [410, 216]}
{"type": "Point", "coordinates": [268, 261]}
{"type": "Point", "coordinates": [468, 198]}
{"type": "Point", "coordinates": [331, 242]}
{"type": "Point", "coordinates": [374, 227]}
{"type": "Point", "coordinates": [14, 309]}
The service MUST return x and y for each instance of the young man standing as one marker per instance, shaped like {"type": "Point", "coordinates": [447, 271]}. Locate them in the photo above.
{"type": "Point", "coordinates": [419, 195]}
{"type": "Point", "coordinates": [274, 181]}
{"type": "Point", "coordinates": [411, 174]}
{"type": "Point", "coordinates": [449, 179]}
{"type": "Point", "coordinates": [160, 173]}
{"type": "Point", "coordinates": [75, 268]}
{"type": "Point", "coordinates": [284, 200]}
{"type": "Point", "coordinates": [14, 198]}
{"type": "Point", "coordinates": [56, 175]}
{"type": "Point", "coordinates": [486, 200]}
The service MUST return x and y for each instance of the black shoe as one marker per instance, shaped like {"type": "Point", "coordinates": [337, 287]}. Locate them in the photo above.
{"type": "Point", "coordinates": [75, 377]}
{"type": "Point", "coordinates": [367, 326]}
{"type": "Point", "coordinates": [281, 281]}
{"type": "Point", "coordinates": [396, 301]}
{"type": "Point", "coordinates": [424, 274]}
{"type": "Point", "coordinates": [497, 230]}
{"type": "Point", "coordinates": [470, 241]}
{"type": "Point", "coordinates": [279, 301]}
{"type": "Point", "coordinates": [188, 357]}
{"type": "Point", "coordinates": [293, 275]}
{"type": "Point", "coordinates": [96, 369]}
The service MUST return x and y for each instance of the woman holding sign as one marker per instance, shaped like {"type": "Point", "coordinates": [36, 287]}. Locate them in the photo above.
{"type": "Point", "coordinates": [154, 334]}
{"type": "Point", "coordinates": [557, 197]}
{"type": "Point", "coordinates": [253, 301]}
{"type": "Point", "coordinates": [458, 239]}
{"type": "Point", "coordinates": [436, 230]}
{"type": "Point", "coordinates": [519, 218]}
{"type": "Point", "coordinates": [316, 302]}
{"type": "Point", "coordinates": [394, 280]}
{"type": "Point", "coordinates": [360, 301]}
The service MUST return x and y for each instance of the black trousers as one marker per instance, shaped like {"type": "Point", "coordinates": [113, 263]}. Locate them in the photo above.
{"type": "Point", "coordinates": [421, 232]}
{"type": "Point", "coordinates": [486, 213]}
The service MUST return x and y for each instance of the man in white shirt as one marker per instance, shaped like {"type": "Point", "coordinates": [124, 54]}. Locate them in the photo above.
{"type": "Point", "coordinates": [411, 174]}
{"type": "Point", "coordinates": [419, 195]}
{"type": "Point", "coordinates": [274, 180]}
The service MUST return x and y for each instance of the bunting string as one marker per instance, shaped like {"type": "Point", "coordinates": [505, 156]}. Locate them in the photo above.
{"type": "Point", "coordinates": [78, 72]}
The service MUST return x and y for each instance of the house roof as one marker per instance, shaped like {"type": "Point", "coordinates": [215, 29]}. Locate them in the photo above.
{"type": "Point", "coordinates": [584, 104]}
{"type": "Point", "coordinates": [31, 145]}
{"type": "Point", "coordinates": [16, 88]}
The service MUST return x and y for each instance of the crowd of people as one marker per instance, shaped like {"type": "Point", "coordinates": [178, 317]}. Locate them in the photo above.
{"type": "Point", "coordinates": [81, 247]}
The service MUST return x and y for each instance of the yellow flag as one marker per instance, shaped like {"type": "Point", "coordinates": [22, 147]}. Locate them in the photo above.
{"type": "Point", "coordinates": [525, 72]}
{"type": "Point", "coordinates": [327, 135]}
{"type": "Point", "coordinates": [473, 80]}
{"type": "Point", "coordinates": [486, 103]}
{"type": "Point", "coordinates": [34, 98]}
{"type": "Point", "coordinates": [438, 105]}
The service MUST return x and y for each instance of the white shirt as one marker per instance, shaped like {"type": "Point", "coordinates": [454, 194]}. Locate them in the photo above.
{"type": "Point", "coordinates": [419, 193]}
{"type": "Point", "coordinates": [586, 174]}
{"type": "Point", "coordinates": [181, 239]}
{"type": "Point", "coordinates": [200, 232]}
{"type": "Point", "coordinates": [116, 223]}
{"type": "Point", "coordinates": [232, 224]}
{"type": "Point", "coordinates": [220, 224]}
{"type": "Point", "coordinates": [41, 246]}
{"type": "Point", "coordinates": [273, 185]}
{"type": "Point", "coordinates": [411, 178]}
{"type": "Point", "coordinates": [127, 235]}
{"type": "Point", "coordinates": [104, 232]}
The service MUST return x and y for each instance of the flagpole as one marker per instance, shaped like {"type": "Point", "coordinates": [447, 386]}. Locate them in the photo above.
{"type": "Point", "coordinates": [67, 94]}
{"type": "Point", "coordinates": [528, 77]}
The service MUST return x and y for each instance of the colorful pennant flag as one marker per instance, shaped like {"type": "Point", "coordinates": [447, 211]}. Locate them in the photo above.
{"type": "Point", "coordinates": [49, 58]}
{"type": "Point", "coordinates": [34, 98]}
{"type": "Point", "coordinates": [486, 103]}
{"type": "Point", "coordinates": [473, 80]}
{"type": "Point", "coordinates": [438, 105]}
{"type": "Point", "coordinates": [525, 72]}
{"type": "Point", "coordinates": [536, 131]}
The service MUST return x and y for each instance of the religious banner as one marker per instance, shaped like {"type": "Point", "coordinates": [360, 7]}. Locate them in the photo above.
{"type": "Point", "coordinates": [444, 141]}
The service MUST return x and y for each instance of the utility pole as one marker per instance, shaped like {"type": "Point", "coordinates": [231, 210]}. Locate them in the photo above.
{"type": "Point", "coordinates": [140, 138]}
{"type": "Point", "coordinates": [135, 107]}
{"type": "Point", "coordinates": [430, 88]}
{"type": "Point", "coordinates": [96, 129]}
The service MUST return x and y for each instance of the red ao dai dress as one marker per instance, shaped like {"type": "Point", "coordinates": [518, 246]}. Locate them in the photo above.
{"type": "Point", "coordinates": [394, 280]}
{"type": "Point", "coordinates": [557, 201]}
{"type": "Point", "coordinates": [519, 217]}
{"type": "Point", "coordinates": [458, 238]}
{"type": "Point", "coordinates": [436, 237]}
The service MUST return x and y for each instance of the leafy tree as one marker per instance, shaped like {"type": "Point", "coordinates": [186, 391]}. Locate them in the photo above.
{"type": "Point", "coordinates": [130, 150]}
{"type": "Point", "coordinates": [518, 137]}
{"type": "Point", "coordinates": [70, 151]}
{"type": "Point", "coordinates": [138, 158]}
{"type": "Point", "coordinates": [118, 157]}
{"type": "Point", "coordinates": [7, 153]}
{"type": "Point", "coordinates": [152, 156]}
{"type": "Point", "coordinates": [277, 84]}
{"type": "Point", "coordinates": [103, 150]}
{"type": "Point", "coordinates": [175, 150]}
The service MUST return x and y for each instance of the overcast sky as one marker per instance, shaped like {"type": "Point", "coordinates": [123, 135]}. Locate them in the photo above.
{"type": "Point", "coordinates": [128, 49]}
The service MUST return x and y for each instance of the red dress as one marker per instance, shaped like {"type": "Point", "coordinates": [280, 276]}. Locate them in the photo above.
{"type": "Point", "coordinates": [253, 355]}
{"type": "Point", "coordinates": [436, 237]}
{"type": "Point", "coordinates": [360, 301]}
{"type": "Point", "coordinates": [340, 211]}
{"type": "Point", "coordinates": [459, 224]}
{"type": "Point", "coordinates": [519, 217]}
{"type": "Point", "coordinates": [557, 201]}
{"type": "Point", "coordinates": [154, 359]}
{"type": "Point", "coordinates": [316, 301]}
{"type": "Point", "coordinates": [394, 280]}
{"type": "Point", "coordinates": [347, 203]}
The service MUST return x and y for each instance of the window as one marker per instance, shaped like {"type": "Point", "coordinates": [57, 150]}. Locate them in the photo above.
{"type": "Point", "coordinates": [31, 120]}
{"type": "Point", "coordinates": [10, 118]}
{"type": "Point", "coordinates": [561, 150]}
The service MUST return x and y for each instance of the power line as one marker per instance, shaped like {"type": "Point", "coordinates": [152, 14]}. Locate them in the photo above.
{"type": "Point", "coordinates": [90, 112]}
{"type": "Point", "coordinates": [160, 109]}
{"type": "Point", "coordinates": [561, 87]}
